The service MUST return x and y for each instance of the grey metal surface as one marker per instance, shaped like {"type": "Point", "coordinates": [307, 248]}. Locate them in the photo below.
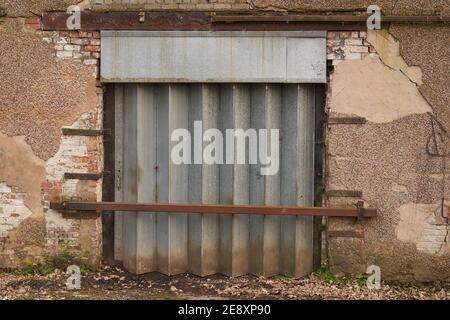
{"type": "Point", "coordinates": [176, 56]}
{"type": "Point", "coordinates": [206, 244]}
{"type": "Point", "coordinates": [118, 192]}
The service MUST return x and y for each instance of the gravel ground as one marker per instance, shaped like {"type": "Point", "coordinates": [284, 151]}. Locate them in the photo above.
{"type": "Point", "coordinates": [113, 283]}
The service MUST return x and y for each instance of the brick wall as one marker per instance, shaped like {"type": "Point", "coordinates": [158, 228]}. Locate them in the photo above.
{"type": "Point", "coordinates": [77, 154]}
{"type": "Point", "coordinates": [12, 210]}
{"type": "Point", "coordinates": [347, 45]}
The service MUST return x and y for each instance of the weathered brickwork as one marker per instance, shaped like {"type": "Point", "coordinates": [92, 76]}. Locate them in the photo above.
{"type": "Point", "coordinates": [76, 154]}
{"type": "Point", "coordinates": [347, 45]}
{"type": "Point", "coordinates": [12, 210]}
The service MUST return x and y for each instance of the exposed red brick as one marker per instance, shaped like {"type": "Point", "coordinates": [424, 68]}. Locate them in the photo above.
{"type": "Point", "coordinates": [95, 42]}
{"type": "Point", "coordinates": [331, 35]}
{"type": "Point", "coordinates": [33, 23]}
{"type": "Point", "coordinates": [92, 48]}
{"type": "Point", "coordinates": [84, 34]}
{"type": "Point", "coordinates": [74, 34]}
{"type": "Point", "coordinates": [33, 20]}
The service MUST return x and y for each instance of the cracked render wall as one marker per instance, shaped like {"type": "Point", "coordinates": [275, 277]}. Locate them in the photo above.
{"type": "Point", "coordinates": [48, 81]}
{"type": "Point", "coordinates": [398, 159]}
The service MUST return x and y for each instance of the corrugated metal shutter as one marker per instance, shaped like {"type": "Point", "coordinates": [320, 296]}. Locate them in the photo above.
{"type": "Point", "coordinates": [207, 244]}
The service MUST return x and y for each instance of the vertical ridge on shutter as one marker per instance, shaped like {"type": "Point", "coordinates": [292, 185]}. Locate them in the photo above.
{"type": "Point", "coordinates": [195, 185]}
{"type": "Point", "coordinates": [130, 177]}
{"type": "Point", "coordinates": [162, 177]}
{"type": "Point", "coordinates": [172, 229]}
{"type": "Point", "coordinates": [178, 184]}
{"type": "Point", "coordinates": [305, 179]}
{"type": "Point", "coordinates": [203, 185]}
{"type": "Point", "coordinates": [297, 176]}
{"type": "Point", "coordinates": [257, 183]}
{"type": "Point", "coordinates": [265, 189]}
{"type": "Point", "coordinates": [271, 252]}
{"type": "Point", "coordinates": [146, 178]}
{"type": "Point", "coordinates": [118, 193]}
{"type": "Point", "coordinates": [234, 181]}
{"type": "Point", "coordinates": [226, 180]}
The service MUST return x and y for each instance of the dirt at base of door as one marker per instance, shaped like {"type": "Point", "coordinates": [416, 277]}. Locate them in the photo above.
{"type": "Point", "coordinates": [114, 283]}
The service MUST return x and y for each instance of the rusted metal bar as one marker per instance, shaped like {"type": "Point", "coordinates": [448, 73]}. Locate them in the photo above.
{"type": "Point", "coordinates": [81, 132]}
{"type": "Point", "coordinates": [326, 18]}
{"type": "Point", "coordinates": [82, 176]}
{"type": "Point", "coordinates": [287, 26]}
{"type": "Point", "coordinates": [130, 21]}
{"type": "Point", "coordinates": [203, 20]}
{"type": "Point", "coordinates": [185, 21]}
{"type": "Point", "coordinates": [210, 209]}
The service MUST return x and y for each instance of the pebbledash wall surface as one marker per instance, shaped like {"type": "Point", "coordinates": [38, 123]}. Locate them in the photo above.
{"type": "Point", "coordinates": [397, 161]}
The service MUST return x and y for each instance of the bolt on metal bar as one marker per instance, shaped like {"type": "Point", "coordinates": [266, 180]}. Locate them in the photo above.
{"type": "Point", "coordinates": [210, 209]}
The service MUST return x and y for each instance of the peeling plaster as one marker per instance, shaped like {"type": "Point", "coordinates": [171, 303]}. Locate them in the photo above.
{"type": "Point", "coordinates": [388, 49]}
{"type": "Point", "coordinates": [16, 157]}
{"type": "Point", "coordinates": [369, 89]}
{"type": "Point", "coordinates": [19, 167]}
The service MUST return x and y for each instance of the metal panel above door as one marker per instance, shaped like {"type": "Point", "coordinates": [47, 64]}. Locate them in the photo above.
{"type": "Point", "coordinates": [221, 56]}
{"type": "Point", "coordinates": [146, 116]}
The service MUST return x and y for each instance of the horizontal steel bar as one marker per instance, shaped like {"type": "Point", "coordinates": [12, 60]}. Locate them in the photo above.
{"type": "Point", "coordinates": [210, 209]}
{"type": "Point", "coordinates": [119, 20]}
{"type": "Point", "coordinates": [326, 18]}
{"type": "Point", "coordinates": [203, 20]}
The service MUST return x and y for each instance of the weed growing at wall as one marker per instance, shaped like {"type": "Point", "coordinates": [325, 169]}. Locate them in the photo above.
{"type": "Point", "coordinates": [52, 263]}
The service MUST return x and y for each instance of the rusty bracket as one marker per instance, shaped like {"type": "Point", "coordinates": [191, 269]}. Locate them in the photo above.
{"type": "Point", "coordinates": [361, 211]}
{"type": "Point", "coordinates": [141, 17]}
